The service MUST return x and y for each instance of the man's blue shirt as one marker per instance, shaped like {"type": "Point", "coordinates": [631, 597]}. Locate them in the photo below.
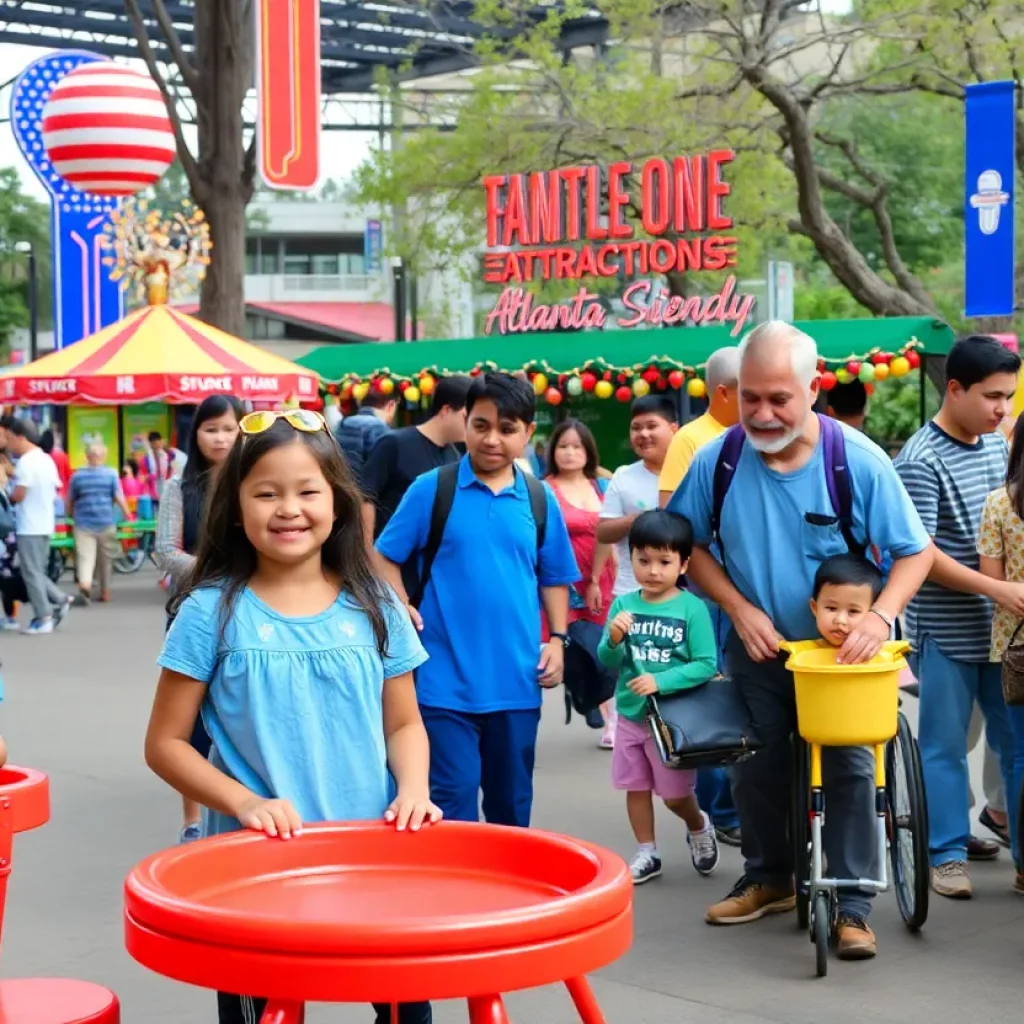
{"type": "Point", "coordinates": [771, 551]}
{"type": "Point", "coordinates": [481, 607]}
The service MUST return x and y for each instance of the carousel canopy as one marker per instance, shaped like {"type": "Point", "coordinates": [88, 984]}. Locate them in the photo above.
{"type": "Point", "coordinates": [157, 354]}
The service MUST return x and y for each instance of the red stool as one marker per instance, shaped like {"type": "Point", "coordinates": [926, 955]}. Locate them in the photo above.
{"type": "Point", "coordinates": [57, 1001]}
{"type": "Point", "coordinates": [360, 913]}
{"type": "Point", "coordinates": [24, 805]}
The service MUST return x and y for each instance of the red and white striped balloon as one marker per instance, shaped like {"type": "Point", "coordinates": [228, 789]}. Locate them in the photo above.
{"type": "Point", "coordinates": [106, 130]}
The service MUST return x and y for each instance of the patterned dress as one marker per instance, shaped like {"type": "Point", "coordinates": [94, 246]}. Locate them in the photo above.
{"type": "Point", "coordinates": [1001, 536]}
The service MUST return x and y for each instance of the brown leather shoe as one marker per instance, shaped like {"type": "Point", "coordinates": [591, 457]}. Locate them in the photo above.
{"type": "Point", "coordinates": [981, 849]}
{"type": "Point", "coordinates": [749, 901]}
{"type": "Point", "coordinates": [854, 939]}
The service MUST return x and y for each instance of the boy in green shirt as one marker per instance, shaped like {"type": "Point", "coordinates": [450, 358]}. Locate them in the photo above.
{"type": "Point", "coordinates": [661, 640]}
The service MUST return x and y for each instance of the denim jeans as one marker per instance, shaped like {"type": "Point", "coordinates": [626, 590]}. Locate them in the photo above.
{"type": "Point", "coordinates": [1013, 795]}
{"type": "Point", "coordinates": [949, 689]}
{"type": "Point", "coordinates": [714, 794]}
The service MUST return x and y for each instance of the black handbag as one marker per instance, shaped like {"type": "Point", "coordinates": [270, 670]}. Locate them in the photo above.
{"type": "Point", "coordinates": [703, 726]}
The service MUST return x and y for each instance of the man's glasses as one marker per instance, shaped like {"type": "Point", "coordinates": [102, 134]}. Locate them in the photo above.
{"type": "Point", "coordinates": [304, 420]}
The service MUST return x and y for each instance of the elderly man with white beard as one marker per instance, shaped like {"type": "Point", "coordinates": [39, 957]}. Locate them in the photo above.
{"type": "Point", "coordinates": [776, 523]}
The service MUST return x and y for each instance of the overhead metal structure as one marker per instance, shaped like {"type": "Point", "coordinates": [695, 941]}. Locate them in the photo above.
{"type": "Point", "coordinates": [411, 40]}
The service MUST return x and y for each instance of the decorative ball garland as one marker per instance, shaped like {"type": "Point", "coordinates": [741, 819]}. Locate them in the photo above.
{"type": "Point", "coordinates": [603, 380]}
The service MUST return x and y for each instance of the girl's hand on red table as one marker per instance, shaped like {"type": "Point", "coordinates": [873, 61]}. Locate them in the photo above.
{"type": "Point", "coordinates": [273, 817]}
{"type": "Point", "coordinates": [412, 811]}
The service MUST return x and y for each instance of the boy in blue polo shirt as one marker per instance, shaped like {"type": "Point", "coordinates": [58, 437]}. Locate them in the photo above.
{"type": "Point", "coordinates": [480, 692]}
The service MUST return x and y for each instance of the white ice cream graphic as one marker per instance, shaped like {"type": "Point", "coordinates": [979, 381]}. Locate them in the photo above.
{"type": "Point", "coordinates": [988, 201]}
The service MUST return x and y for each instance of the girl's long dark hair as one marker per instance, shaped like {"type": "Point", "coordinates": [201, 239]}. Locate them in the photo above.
{"type": "Point", "coordinates": [196, 476]}
{"type": "Point", "coordinates": [226, 557]}
{"type": "Point", "coordinates": [1015, 468]}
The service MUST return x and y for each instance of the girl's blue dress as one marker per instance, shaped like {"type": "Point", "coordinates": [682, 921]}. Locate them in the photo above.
{"type": "Point", "coordinates": [294, 705]}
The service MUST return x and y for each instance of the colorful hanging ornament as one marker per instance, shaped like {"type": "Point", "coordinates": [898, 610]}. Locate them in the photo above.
{"type": "Point", "coordinates": [651, 374]}
{"type": "Point", "coordinates": [588, 380]}
{"type": "Point", "coordinates": [881, 371]}
{"type": "Point", "coordinates": [899, 367]}
{"type": "Point", "coordinates": [828, 380]}
{"type": "Point", "coordinates": [361, 390]}
{"type": "Point", "coordinates": [623, 394]}
{"type": "Point", "coordinates": [540, 384]}
{"type": "Point", "coordinates": [853, 368]}
{"type": "Point", "coordinates": [867, 373]}
{"type": "Point", "coordinates": [553, 396]}
{"type": "Point", "coordinates": [411, 394]}
{"type": "Point", "coordinates": [913, 358]}
{"type": "Point", "coordinates": [843, 375]}
{"type": "Point", "coordinates": [574, 386]}
{"type": "Point", "coordinates": [696, 388]}
{"type": "Point", "coordinates": [641, 387]}
{"type": "Point", "coordinates": [882, 358]}
{"type": "Point", "coordinates": [676, 378]}
{"type": "Point", "coordinates": [427, 384]}
{"type": "Point", "coordinates": [385, 385]}
{"type": "Point", "coordinates": [603, 389]}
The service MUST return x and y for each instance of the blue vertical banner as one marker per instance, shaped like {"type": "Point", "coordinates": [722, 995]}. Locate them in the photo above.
{"type": "Point", "coordinates": [85, 300]}
{"type": "Point", "coordinates": [373, 246]}
{"type": "Point", "coordinates": [989, 196]}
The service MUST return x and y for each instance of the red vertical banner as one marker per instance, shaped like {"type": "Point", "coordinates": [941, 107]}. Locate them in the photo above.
{"type": "Point", "coordinates": [288, 87]}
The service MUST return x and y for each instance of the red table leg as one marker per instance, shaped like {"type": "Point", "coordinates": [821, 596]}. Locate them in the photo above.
{"type": "Point", "coordinates": [487, 1010]}
{"type": "Point", "coordinates": [583, 996]}
{"type": "Point", "coordinates": [284, 1011]}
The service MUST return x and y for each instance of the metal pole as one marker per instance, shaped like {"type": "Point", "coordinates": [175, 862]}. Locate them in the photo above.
{"type": "Point", "coordinates": [33, 307]}
{"type": "Point", "coordinates": [414, 309]}
{"type": "Point", "coordinates": [398, 268]}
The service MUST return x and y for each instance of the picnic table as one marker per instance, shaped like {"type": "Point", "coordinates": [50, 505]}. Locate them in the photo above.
{"type": "Point", "coordinates": [135, 529]}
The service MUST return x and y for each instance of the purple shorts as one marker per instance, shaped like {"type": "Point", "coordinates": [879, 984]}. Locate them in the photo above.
{"type": "Point", "coordinates": [636, 766]}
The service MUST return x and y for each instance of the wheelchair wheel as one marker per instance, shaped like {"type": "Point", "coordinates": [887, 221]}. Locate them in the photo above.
{"type": "Point", "coordinates": [822, 929]}
{"type": "Point", "coordinates": [908, 826]}
{"type": "Point", "coordinates": [799, 830]}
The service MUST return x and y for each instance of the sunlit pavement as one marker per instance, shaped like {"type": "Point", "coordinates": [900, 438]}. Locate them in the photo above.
{"type": "Point", "coordinates": [76, 707]}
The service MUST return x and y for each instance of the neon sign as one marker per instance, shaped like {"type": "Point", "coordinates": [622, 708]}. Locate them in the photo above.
{"type": "Point", "coordinates": [580, 222]}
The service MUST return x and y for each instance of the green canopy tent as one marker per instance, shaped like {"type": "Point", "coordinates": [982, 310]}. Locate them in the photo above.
{"type": "Point", "coordinates": [632, 351]}
{"type": "Point", "coordinates": [838, 342]}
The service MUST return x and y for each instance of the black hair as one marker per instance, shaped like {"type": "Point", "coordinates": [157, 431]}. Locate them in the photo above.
{"type": "Point", "coordinates": [976, 357]}
{"type": "Point", "coordinates": [195, 477]}
{"type": "Point", "coordinates": [377, 399]}
{"type": "Point", "coordinates": [133, 466]}
{"type": "Point", "coordinates": [654, 405]}
{"type": "Point", "coordinates": [848, 571]}
{"type": "Point", "coordinates": [1015, 468]}
{"type": "Point", "coordinates": [227, 559]}
{"type": "Point", "coordinates": [24, 428]}
{"type": "Point", "coordinates": [6, 420]}
{"type": "Point", "coordinates": [586, 439]}
{"type": "Point", "coordinates": [47, 441]}
{"type": "Point", "coordinates": [848, 399]}
{"type": "Point", "coordinates": [155, 435]}
{"type": "Point", "coordinates": [513, 397]}
{"type": "Point", "coordinates": [451, 392]}
{"type": "Point", "coordinates": [662, 530]}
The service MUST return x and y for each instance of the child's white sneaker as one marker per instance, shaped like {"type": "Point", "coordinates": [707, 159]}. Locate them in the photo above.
{"type": "Point", "coordinates": [644, 866]}
{"type": "Point", "coordinates": [704, 848]}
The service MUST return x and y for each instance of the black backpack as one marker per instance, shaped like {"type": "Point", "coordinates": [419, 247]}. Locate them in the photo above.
{"type": "Point", "coordinates": [447, 484]}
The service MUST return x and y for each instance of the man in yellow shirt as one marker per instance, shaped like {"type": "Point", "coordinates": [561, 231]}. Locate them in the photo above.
{"type": "Point", "coordinates": [721, 376]}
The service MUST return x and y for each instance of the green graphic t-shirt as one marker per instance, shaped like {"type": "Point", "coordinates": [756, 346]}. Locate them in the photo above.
{"type": "Point", "coordinates": [672, 640]}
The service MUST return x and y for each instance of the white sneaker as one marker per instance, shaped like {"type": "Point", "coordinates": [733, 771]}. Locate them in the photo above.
{"type": "Point", "coordinates": [704, 848]}
{"type": "Point", "coordinates": [10, 625]}
{"type": "Point", "coordinates": [644, 866]}
{"type": "Point", "coordinates": [37, 628]}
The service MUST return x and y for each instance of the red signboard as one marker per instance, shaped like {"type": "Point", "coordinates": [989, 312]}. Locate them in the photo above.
{"type": "Point", "coordinates": [288, 87]}
{"type": "Point", "coordinates": [582, 222]}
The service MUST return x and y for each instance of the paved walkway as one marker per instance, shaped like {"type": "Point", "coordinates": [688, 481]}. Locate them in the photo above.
{"type": "Point", "coordinates": [77, 705]}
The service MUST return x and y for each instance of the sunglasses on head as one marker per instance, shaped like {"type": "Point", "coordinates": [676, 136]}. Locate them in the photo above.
{"type": "Point", "coordinates": [304, 420]}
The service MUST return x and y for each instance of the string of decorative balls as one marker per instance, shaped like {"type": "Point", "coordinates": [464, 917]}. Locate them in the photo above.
{"type": "Point", "coordinates": [624, 383]}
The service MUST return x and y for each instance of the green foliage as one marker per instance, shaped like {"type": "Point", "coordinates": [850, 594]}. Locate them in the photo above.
{"type": "Point", "coordinates": [894, 410]}
{"type": "Point", "coordinates": [22, 219]}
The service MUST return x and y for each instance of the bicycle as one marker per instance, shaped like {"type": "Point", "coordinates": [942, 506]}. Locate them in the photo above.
{"type": "Point", "coordinates": [856, 705]}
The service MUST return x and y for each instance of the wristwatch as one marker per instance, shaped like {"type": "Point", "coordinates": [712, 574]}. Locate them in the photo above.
{"type": "Point", "coordinates": [885, 617]}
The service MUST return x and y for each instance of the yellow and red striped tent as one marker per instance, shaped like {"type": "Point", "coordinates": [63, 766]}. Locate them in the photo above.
{"type": "Point", "coordinates": [157, 354]}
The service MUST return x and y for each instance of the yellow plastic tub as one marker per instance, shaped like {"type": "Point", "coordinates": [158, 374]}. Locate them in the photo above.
{"type": "Point", "coordinates": [845, 705]}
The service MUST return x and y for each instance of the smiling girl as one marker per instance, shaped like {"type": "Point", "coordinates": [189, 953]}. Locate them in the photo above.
{"type": "Point", "coordinates": [300, 660]}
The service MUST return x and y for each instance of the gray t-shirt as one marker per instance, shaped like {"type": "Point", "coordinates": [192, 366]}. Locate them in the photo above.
{"type": "Point", "coordinates": [948, 481]}
{"type": "Point", "coordinates": [633, 489]}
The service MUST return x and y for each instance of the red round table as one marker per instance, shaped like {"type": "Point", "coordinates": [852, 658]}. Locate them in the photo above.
{"type": "Point", "coordinates": [25, 805]}
{"type": "Point", "coordinates": [361, 913]}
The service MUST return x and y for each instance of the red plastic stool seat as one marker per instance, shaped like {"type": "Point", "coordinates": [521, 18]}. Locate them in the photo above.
{"type": "Point", "coordinates": [57, 1001]}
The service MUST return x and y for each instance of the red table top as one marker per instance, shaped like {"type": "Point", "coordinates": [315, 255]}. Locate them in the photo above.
{"type": "Point", "coordinates": [341, 912]}
{"type": "Point", "coordinates": [29, 793]}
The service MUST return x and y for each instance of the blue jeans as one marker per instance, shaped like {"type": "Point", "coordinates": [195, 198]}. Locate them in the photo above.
{"type": "Point", "coordinates": [714, 794]}
{"type": "Point", "coordinates": [949, 689]}
{"type": "Point", "coordinates": [492, 753]}
{"type": "Point", "coordinates": [1016, 716]}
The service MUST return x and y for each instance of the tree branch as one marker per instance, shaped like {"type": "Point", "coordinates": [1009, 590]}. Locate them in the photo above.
{"type": "Point", "coordinates": [189, 75]}
{"type": "Point", "coordinates": [188, 161]}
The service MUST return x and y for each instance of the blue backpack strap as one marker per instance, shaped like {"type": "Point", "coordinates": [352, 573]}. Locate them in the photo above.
{"type": "Point", "coordinates": [725, 470]}
{"type": "Point", "coordinates": [837, 479]}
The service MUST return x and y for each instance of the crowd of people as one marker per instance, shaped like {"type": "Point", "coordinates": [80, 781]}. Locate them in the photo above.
{"type": "Point", "coordinates": [363, 622]}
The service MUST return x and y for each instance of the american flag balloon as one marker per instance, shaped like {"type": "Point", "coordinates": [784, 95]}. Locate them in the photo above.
{"type": "Point", "coordinates": [106, 130]}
